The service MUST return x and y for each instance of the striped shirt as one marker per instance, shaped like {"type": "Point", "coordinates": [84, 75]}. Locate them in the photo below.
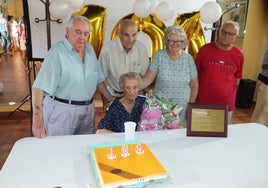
{"type": "Point", "coordinates": [115, 61]}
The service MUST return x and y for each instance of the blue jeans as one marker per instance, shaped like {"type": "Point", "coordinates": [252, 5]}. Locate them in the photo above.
{"type": "Point", "coordinates": [6, 41]}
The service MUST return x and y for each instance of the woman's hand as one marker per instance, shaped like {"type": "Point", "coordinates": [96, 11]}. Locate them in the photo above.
{"type": "Point", "coordinates": [103, 131]}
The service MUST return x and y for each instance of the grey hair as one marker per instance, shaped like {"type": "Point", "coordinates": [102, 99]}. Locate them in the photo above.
{"type": "Point", "coordinates": [233, 23]}
{"type": "Point", "coordinates": [178, 30]}
{"type": "Point", "coordinates": [125, 23]}
{"type": "Point", "coordinates": [129, 76]}
{"type": "Point", "coordinates": [75, 17]}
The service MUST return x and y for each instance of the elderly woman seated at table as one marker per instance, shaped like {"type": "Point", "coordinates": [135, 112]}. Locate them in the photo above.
{"type": "Point", "coordinates": [127, 108]}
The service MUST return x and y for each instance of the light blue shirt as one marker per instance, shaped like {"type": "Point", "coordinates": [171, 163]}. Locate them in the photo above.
{"type": "Point", "coordinates": [173, 79]}
{"type": "Point", "coordinates": [3, 24]}
{"type": "Point", "coordinates": [65, 76]}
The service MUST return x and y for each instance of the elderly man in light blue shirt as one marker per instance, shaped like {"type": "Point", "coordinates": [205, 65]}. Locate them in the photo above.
{"type": "Point", "coordinates": [63, 90]}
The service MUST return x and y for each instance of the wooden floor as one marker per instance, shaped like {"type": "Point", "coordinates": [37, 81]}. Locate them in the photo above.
{"type": "Point", "coordinates": [14, 77]}
{"type": "Point", "coordinates": [16, 87]}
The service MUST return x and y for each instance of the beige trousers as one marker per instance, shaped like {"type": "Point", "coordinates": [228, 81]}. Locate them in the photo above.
{"type": "Point", "coordinates": [260, 114]}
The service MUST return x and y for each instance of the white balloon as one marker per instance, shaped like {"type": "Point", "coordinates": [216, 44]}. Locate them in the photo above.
{"type": "Point", "coordinates": [163, 11]}
{"type": "Point", "coordinates": [210, 12]}
{"type": "Point", "coordinates": [59, 9]}
{"type": "Point", "coordinates": [1, 87]}
{"type": "Point", "coordinates": [142, 8]}
{"type": "Point", "coordinates": [75, 3]}
{"type": "Point", "coordinates": [154, 3]}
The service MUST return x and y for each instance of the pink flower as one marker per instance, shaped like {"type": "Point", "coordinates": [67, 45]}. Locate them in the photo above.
{"type": "Point", "coordinates": [151, 114]}
{"type": "Point", "coordinates": [150, 119]}
{"type": "Point", "coordinates": [159, 114]}
{"type": "Point", "coordinates": [149, 125]}
{"type": "Point", "coordinates": [172, 125]}
{"type": "Point", "coordinates": [172, 113]}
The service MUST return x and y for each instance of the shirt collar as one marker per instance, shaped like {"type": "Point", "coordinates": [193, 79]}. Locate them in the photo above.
{"type": "Point", "coordinates": [70, 47]}
{"type": "Point", "coordinates": [67, 44]}
{"type": "Point", "coordinates": [121, 46]}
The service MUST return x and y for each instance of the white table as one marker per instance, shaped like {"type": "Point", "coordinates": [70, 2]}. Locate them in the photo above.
{"type": "Point", "coordinates": [238, 161]}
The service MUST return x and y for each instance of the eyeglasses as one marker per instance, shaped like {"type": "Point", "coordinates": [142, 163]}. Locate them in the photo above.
{"type": "Point", "coordinates": [172, 42]}
{"type": "Point", "coordinates": [225, 33]}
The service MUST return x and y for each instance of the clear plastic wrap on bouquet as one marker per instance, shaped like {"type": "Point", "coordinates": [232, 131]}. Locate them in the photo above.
{"type": "Point", "coordinates": [171, 120]}
{"type": "Point", "coordinates": [159, 114]}
{"type": "Point", "coordinates": [151, 116]}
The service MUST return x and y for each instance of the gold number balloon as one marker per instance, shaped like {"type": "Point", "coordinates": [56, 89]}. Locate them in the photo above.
{"type": "Point", "coordinates": [192, 26]}
{"type": "Point", "coordinates": [151, 26]}
{"type": "Point", "coordinates": [97, 16]}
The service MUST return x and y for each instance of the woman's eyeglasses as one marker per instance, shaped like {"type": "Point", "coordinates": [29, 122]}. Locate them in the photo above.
{"type": "Point", "coordinates": [172, 42]}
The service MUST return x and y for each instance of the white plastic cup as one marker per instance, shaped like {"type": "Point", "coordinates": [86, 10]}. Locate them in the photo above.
{"type": "Point", "coordinates": [129, 130]}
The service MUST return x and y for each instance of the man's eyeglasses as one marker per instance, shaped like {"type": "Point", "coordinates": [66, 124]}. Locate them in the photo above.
{"type": "Point", "coordinates": [172, 42]}
{"type": "Point", "coordinates": [228, 33]}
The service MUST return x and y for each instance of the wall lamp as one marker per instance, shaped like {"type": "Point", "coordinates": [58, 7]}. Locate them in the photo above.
{"type": "Point", "coordinates": [210, 28]}
{"type": "Point", "coordinates": [37, 20]}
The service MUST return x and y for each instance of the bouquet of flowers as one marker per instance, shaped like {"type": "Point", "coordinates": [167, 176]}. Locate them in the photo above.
{"type": "Point", "coordinates": [158, 114]}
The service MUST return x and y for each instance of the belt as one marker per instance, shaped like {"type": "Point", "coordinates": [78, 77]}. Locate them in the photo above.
{"type": "Point", "coordinates": [81, 103]}
{"type": "Point", "coordinates": [118, 92]}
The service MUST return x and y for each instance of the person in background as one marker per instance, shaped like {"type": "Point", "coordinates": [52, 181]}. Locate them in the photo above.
{"type": "Point", "coordinates": [127, 108]}
{"type": "Point", "coordinates": [260, 113]}
{"type": "Point", "coordinates": [63, 90]}
{"type": "Point", "coordinates": [5, 35]}
{"type": "Point", "coordinates": [124, 54]}
{"type": "Point", "coordinates": [219, 65]}
{"type": "Point", "coordinates": [174, 70]}
{"type": "Point", "coordinates": [14, 33]}
{"type": "Point", "coordinates": [22, 41]}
